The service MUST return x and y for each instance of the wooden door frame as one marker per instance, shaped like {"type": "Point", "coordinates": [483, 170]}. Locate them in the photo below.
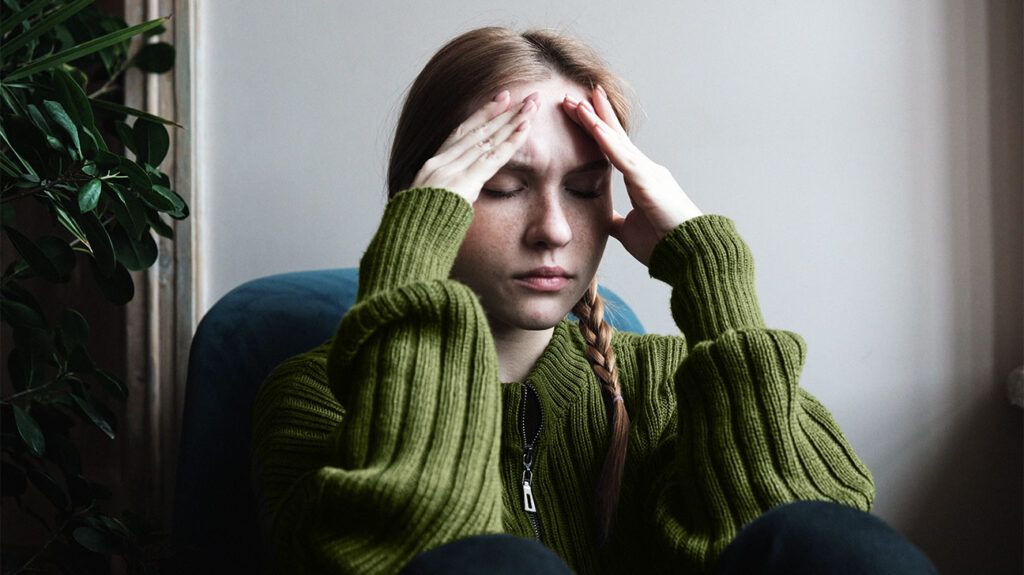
{"type": "Point", "coordinates": [162, 318]}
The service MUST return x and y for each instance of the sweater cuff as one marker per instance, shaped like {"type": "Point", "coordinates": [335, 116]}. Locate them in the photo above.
{"type": "Point", "coordinates": [711, 271]}
{"type": "Point", "coordinates": [418, 239]}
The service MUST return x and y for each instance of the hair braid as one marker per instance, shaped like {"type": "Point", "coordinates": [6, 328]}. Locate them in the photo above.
{"type": "Point", "coordinates": [598, 335]}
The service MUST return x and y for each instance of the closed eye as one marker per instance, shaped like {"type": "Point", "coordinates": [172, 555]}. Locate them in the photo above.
{"type": "Point", "coordinates": [585, 194]}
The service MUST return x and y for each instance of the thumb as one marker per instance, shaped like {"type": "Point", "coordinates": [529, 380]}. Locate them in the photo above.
{"type": "Point", "coordinates": [616, 225]}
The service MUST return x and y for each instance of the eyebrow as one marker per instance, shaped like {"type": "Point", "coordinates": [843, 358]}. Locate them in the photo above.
{"type": "Point", "coordinates": [600, 164]}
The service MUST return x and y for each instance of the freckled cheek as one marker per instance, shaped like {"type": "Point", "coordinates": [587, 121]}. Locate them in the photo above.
{"type": "Point", "coordinates": [593, 223]}
{"type": "Point", "coordinates": [485, 243]}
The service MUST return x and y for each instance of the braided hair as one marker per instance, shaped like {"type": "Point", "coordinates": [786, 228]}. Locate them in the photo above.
{"type": "Point", "coordinates": [598, 335]}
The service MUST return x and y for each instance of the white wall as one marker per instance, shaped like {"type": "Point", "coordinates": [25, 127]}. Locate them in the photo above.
{"type": "Point", "coordinates": [869, 152]}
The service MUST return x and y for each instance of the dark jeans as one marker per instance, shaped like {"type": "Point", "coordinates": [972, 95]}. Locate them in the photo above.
{"type": "Point", "coordinates": [795, 538]}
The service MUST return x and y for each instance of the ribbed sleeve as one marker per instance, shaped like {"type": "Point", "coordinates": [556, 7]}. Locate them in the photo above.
{"type": "Point", "coordinates": [418, 239]}
{"type": "Point", "coordinates": [747, 436]}
{"type": "Point", "coordinates": [414, 462]}
{"type": "Point", "coordinates": [711, 270]}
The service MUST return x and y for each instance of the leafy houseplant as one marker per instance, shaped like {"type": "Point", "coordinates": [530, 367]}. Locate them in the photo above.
{"type": "Point", "coordinates": [59, 63]}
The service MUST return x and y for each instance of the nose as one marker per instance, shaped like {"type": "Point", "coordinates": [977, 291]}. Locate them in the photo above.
{"type": "Point", "coordinates": [548, 223]}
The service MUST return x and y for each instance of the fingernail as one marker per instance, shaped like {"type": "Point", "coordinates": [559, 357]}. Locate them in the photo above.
{"type": "Point", "coordinates": [572, 101]}
{"type": "Point", "coordinates": [601, 89]}
{"type": "Point", "coordinates": [587, 105]}
{"type": "Point", "coordinates": [534, 96]}
{"type": "Point", "coordinates": [501, 96]}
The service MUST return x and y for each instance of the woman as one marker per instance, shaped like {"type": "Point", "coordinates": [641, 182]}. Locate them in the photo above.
{"type": "Point", "coordinates": [458, 421]}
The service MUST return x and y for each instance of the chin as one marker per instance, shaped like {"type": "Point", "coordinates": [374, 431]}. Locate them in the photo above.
{"type": "Point", "coordinates": [534, 317]}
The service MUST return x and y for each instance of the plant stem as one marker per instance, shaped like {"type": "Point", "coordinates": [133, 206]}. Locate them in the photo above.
{"type": "Point", "coordinates": [53, 537]}
{"type": "Point", "coordinates": [106, 87]}
{"type": "Point", "coordinates": [61, 374]}
{"type": "Point", "coordinates": [22, 195]}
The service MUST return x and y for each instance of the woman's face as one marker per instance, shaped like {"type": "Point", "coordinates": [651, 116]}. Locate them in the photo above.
{"type": "Point", "coordinates": [559, 214]}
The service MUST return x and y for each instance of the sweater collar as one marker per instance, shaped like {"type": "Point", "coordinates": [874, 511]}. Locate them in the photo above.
{"type": "Point", "coordinates": [562, 372]}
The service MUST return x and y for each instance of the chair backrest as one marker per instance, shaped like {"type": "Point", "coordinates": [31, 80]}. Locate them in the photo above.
{"type": "Point", "coordinates": [247, 333]}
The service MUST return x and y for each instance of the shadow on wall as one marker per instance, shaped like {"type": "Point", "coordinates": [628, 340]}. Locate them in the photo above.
{"type": "Point", "coordinates": [968, 514]}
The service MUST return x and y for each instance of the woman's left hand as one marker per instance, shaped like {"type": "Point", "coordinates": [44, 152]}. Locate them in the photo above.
{"type": "Point", "coordinates": [659, 204]}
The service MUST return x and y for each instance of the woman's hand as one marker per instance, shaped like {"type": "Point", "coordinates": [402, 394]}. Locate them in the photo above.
{"type": "Point", "coordinates": [478, 147]}
{"type": "Point", "coordinates": [659, 204]}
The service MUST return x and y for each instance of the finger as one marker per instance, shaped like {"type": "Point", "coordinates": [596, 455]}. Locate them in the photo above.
{"type": "Point", "coordinates": [620, 150]}
{"type": "Point", "coordinates": [486, 112]}
{"type": "Point", "coordinates": [483, 135]}
{"type": "Point", "coordinates": [615, 230]}
{"type": "Point", "coordinates": [569, 107]}
{"type": "Point", "coordinates": [488, 163]}
{"type": "Point", "coordinates": [473, 153]}
{"type": "Point", "coordinates": [604, 109]}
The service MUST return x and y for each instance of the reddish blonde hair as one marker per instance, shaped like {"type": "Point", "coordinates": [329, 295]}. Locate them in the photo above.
{"type": "Point", "coordinates": [468, 68]}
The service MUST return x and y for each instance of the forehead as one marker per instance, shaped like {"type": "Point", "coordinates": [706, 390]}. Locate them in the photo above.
{"type": "Point", "coordinates": [555, 141]}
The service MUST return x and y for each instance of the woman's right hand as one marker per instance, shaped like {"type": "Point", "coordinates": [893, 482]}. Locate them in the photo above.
{"type": "Point", "coordinates": [478, 147]}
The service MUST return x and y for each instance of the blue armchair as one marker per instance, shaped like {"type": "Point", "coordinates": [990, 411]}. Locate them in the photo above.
{"type": "Point", "coordinates": [248, 332]}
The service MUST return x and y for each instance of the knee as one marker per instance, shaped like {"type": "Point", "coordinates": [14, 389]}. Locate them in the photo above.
{"type": "Point", "coordinates": [821, 536]}
{"type": "Point", "coordinates": [493, 553]}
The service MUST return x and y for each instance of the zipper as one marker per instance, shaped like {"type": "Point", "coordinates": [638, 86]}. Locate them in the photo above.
{"type": "Point", "coordinates": [529, 445]}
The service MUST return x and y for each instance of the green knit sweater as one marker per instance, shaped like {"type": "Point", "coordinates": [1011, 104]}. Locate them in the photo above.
{"type": "Point", "coordinates": [396, 436]}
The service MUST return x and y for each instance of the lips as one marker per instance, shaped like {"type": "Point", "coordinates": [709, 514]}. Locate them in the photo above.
{"type": "Point", "coordinates": [544, 279]}
{"type": "Point", "coordinates": [544, 272]}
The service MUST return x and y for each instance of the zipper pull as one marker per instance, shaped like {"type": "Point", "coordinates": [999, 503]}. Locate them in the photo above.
{"type": "Point", "coordinates": [528, 503]}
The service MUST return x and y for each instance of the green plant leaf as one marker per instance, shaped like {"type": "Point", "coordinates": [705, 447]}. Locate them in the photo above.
{"type": "Point", "coordinates": [23, 369]}
{"type": "Point", "coordinates": [94, 540]}
{"type": "Point", "coordinates": [35, 257]}
{"type": "Point", "coordinates": [106, 160]}
{"type": "Point", "coordinates": [136, 175]}
{"type": "Point", "coordinates": [155, 32]}
{"type": "Point", "coordinates": [74, 99]}
{"type": "Point", "coordinates": [84, 49]}
{"type": "Point", "coordinates": [92, 143]}
{"type": "Point", "coordinates": [116, 526]}
{"type": "Point", "coordinates": [29, 431]}
{"type": "Point", "coordinates": [78, 489]}
{"type": "Point", "coordinates": [60, 115]}
{"type": "Point", "coordinates": [159, 225]}
{"type": "Point", "coordinates": [3, 135]}
{"type": "Point", "coordinates": [17, 314]}
{"type": "Point", "coordinates": [125, 134]}
{"type": "Point", "coordinates": [19, 17]}
{"type": "Point", "coordinates": [151, 141]}
{"type": "Point", "coordinates": [73, 329]}
{"type": "Point", "coordinates": [118, 288]}
{"type": "Point", "coordinates": [60, 253]}
{"type": "Point", "coordinates": [157, 198]}
{"type": "Point", "coordinates": [15, 292]}
{"type": "Point", "coordinates": [99, 241]}
{"type": "Point", "coordinates": [38, 119]}
{"type": "Point", "coordinates": [93, 414]}
{"type": "Point", "coordinates": [128, 209]}
{"type": "Point", "coordinates": [41, 27]}
{"type": "Point", "coordinates": [113, 385]}
{"type": "Point", "coordinates": [38, 342]}
{"type": "Point", "coordinates": [18, 270]}
{"type": "Point", "coordinates": [89, 195]}
{"type": "Point", "coordinates": [45, 483]}
{"type": "Point", "coordinates": [80, 362]}
{"type": "Point", "coordinates": [64, 219]}
{"type": "Point", "coordinates": [121, 109]}
{"type": "Point", "coordinates": [7, 214]}
{"type": "Point", "coordinates": [134, 254]}
{"type": "Point", "coordinates": [155, 58]}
